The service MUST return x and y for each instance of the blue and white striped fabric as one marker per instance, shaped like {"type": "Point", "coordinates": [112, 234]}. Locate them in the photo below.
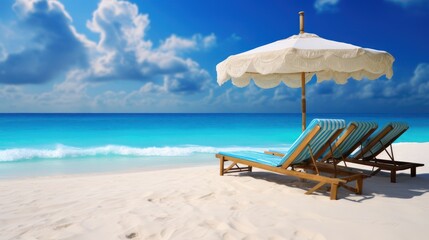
{"type": "Point", "coordinates": [258, 157]}
{"type": "Point", "coordinates": [327, 128]}
{"type": "Point", "coordinates": [398, 128]}
{"type": "Point", "coordinates": [362, 128]}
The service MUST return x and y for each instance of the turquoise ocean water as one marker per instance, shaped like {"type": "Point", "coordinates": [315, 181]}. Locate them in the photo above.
{"type": "Point", "coordinates": [56, 144]}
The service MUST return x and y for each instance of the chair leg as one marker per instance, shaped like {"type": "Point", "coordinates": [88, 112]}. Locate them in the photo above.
{"type": "Point", "coordinates": [319, 185]}
{"type": "Point", "coordinates": [413, 171]}
{"type": "Point", "coordinates": [393, 176]}
{"type": "Point", "coordinates": [359, 185]}
{"type": "Point", "coordinates": [334, 191]}
{"type": "Point", "coordinates": [222, 161]}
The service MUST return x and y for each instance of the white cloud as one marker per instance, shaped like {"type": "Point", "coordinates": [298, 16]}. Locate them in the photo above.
{"type": "Point", "coordinates": [168, 95]}
{"type": "Point", "coordinates": [3, 53]}
{"type": "Point", "coordinates": [51, 45]}
{"type": "Point", "coordinates": [27, 7]}
{"type": "Point", "coordinates": [209, 41]}
{"type": "Point", "coordinates": [10, 91]}
{"type": "Point", "coordinates": [120, 25]}
{"type": "Point", "coordinates": [196, 42]}
{"type": "Point", "coordinates": [326, 5]}
{"type": "Point", "coordinates": [283, 93]}
{"type": "Point", "coordinates": [248, 99]}
{"type": "Point", "coordinates": [395, 95]}
{"type": "Point", "coordinates": [124, 53]}
{"type": "Point", "coordinates": [192, 81]}
{"type": "Point", "coordinates": [234, 37]}
{"type": "Point", "coordinates": [175, 43]}
{"type": "Point", "coordinates": [420, 80]}
{"type": "Point", "coordinates": [414, 88]}
{"type": "Point", "coordinates": [407, 3]}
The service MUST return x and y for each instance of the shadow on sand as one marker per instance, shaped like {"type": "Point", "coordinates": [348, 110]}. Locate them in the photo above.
{"type": "Point", "coordinates": [406, 187]}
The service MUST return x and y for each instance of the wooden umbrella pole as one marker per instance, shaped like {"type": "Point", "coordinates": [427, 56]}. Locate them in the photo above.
{"type": "Point", "coordinates": [303, 102]}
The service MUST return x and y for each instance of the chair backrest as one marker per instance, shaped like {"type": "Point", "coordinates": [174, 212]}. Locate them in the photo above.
{"type": "Point", "coordinates": [350, 139]}
{"type": "Point", "coordinates": [381, 140]}
{"type": "Point", "coordinates": [313, 141]}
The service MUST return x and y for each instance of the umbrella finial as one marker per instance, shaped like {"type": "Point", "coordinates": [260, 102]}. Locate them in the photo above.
{"type": "Point", "coordinates": [301, 22]}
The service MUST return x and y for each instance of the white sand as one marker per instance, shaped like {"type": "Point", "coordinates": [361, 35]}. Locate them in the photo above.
{"type": "Point", "coordinates": [197, 203]}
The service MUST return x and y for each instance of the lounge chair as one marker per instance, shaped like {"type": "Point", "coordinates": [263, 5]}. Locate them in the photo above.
{"type": "Point", "coordinates": [379, 142]}
{"type": "Point", "coordinates": [303, 154]}
{"type": "Point", "coordinates": [349, 140]}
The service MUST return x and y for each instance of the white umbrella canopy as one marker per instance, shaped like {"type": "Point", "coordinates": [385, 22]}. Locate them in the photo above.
{"type": "Point", "coordinates": [295, 60]}
{"type": "Point", "coordinates": [285, 60]}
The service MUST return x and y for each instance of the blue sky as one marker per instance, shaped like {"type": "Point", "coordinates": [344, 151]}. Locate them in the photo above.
{"type": "Point", "coordinates": [160, 56]}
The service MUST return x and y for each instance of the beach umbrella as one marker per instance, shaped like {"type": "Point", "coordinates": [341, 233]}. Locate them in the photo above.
{"type": "Point", "coordinates": [296, 59]}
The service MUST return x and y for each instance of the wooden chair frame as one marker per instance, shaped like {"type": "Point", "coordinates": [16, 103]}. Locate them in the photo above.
{"type": "Point", "coordinates": [384, 164]}
{"type": "Point", "coordinates": [329, 157]}
{"type": "Point", "coordinates": [290, 169]}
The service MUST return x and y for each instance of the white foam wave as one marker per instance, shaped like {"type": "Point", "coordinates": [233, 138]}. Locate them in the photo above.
{"type": "Point", "coordinates": [62, 151]}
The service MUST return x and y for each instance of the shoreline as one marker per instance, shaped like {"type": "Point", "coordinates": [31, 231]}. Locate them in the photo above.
{"type": "Point", "coordinates": [139, 168]}
{"type": "Point", "coordinates": [195, 202]}
{"type": "Point", "coordinates": [112, 173]}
